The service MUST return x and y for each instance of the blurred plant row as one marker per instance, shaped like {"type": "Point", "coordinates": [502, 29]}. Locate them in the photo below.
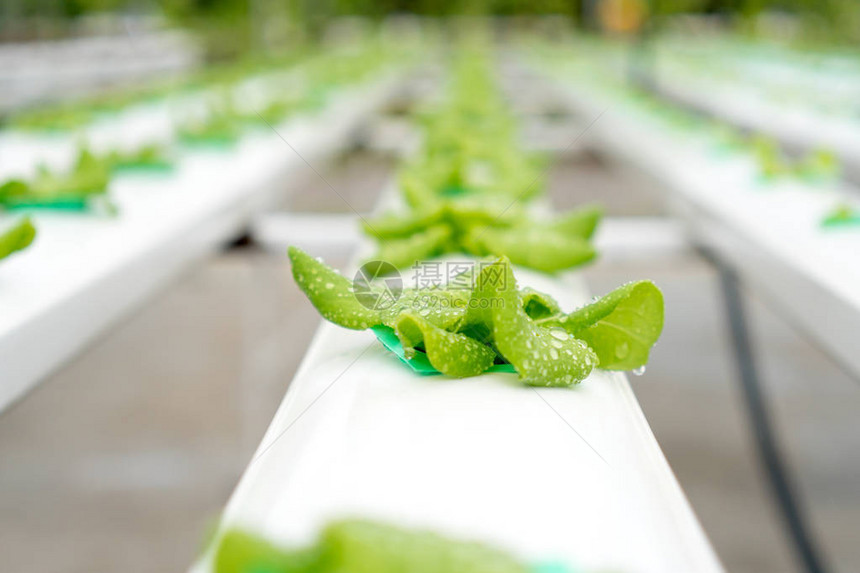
{"type": "Point", "coordinates": [599, 67]}
{"type": "Point", "coordinates": [471, 186]}
{"type": "Point", "coordinates": [211, 111]}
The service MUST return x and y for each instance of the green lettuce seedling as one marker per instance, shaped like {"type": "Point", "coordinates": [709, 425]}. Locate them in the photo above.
{"type": "Point", "coordinates": [17, 237]}
{"type": "Point", "coordinates": [463, 332]}
{"type": "Point", "coordinates": [59, 118]}
{"type": "Point", "coordinates": [361, 546]}
{"type": "Point", "coordinates": [471, 145]}
{"type": "Point", "coordinates": [842, 215]}
{"type": "Point", "coordinates": [151, 157]}
{"type": "Point", "coordinates": [468, 188]}
{"type": "Point", "coordinates": [220, 128]}
{"type": "Point", "coordinates": [483, 227]}
{"type": "Point", "coordinates": [819, 164]}
{"type": "Point", "coordinates": [88, 178]}
{"type": "Point", "coordinates": [768, 154]}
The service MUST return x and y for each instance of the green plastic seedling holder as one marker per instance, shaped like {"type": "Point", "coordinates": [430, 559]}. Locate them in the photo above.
{"type": "Point", "coordinates": [144, 168]}
{"type": "Point", "coordinates": [76, 204]}
{"type": "Point", "coordinates": [832, 222]}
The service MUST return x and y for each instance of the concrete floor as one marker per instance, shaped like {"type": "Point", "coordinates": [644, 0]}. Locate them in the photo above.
{"type": "Point", "coordinates": [122, 461]}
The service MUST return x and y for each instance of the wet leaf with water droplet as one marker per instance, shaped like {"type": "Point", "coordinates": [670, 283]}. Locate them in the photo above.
{"type": "Point", "coordinates": [621, 327]}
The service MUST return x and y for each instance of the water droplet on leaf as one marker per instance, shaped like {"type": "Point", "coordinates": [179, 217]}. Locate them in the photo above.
{"type": "Point", "coordinates": [559, 333]}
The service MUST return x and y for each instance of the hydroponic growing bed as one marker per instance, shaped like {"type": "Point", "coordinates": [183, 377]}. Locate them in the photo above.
{"type": "Point", "coordinates": [91, 263]}
{"type": "Point", "coordinates": [567, 478]}
{"type": "Point", "coordinates": [793, 231]}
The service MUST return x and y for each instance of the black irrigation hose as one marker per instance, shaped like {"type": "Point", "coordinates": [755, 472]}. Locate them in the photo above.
{"type": "Point", "coordinates": [783, 489]}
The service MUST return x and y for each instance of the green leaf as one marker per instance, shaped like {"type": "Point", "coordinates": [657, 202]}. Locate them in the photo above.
{"type": "Point", "coordinates": [450, 353]}
{"type": "Point", "coordinates": [149, 157]}
{"type": "Point", "coordinates": [397, 226]}
{"type": "Point", "coordinates": [335, 298]}
{"type": "Point", "coordinates": [357, 546]}
{"type": "Point", "coordinates": [18, 237]}
{"type": "Point", "coordinates": [426, 244]}
{"type": "Point", "coordinates": [579, 223]}
{"type": "Point", "coordinates": [58, 118]}
{"type": "Point", "coordinates": [542, 356]}
{"type": "Point", "coordinates": [220, 128]}
{"type": "Point", "coordinates": [771, 161]}
{"type": "Point", "coordinates": [537, 304]}
{"type": "Point", "coordinates": [621, 327]}
{"type": "Point", "coordinates": [331, 293]}
{"type": "Point", "coordinates": [534, 247]}
{"type": "Point", "coordinates": [243, 552]}
{"type": "Point", "coordinates": [13, 188]}
{"type": "Point", "coordinates": [416, 188]}
{"type": "Point", "coordinates": [471, 210]}
{"type": "Point", "coordinates": [440, 306]}
{"type": "Point", "coordinates": [818, 164]}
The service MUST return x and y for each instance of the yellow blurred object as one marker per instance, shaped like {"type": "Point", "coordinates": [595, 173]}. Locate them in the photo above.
{"type": "Point", "coordinates": [622, 16]}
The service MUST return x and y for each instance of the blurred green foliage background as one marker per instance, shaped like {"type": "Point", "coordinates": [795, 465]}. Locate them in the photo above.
{"type": "Point", "coordinates": [231, 26]}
